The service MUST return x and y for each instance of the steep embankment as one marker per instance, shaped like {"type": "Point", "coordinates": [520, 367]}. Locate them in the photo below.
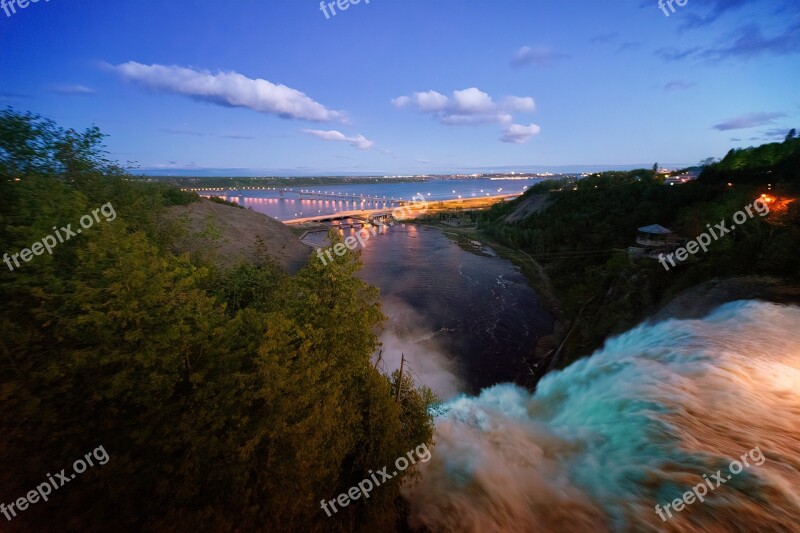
{"type": "Point", "coordinates": [528, 205]}
{"type": "Point", "coordinates": [228, 235]}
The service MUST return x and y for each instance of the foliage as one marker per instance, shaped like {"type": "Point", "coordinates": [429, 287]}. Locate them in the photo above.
{"type": "Point", "coordinates": [582, 237]}
{"type": "Point", "coordinates": [768, 163]}
{"type": "Point", "coordinates": [227, 400]}
{"type": "Point", "coordinates": [222, 201]}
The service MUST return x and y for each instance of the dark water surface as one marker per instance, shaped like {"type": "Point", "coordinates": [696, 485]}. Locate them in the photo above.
{"type": "Point", "coordinates": [452, 311]}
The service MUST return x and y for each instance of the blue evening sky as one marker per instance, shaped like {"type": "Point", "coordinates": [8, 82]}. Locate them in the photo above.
{"type": "Point", "coordinates": [248, 87]}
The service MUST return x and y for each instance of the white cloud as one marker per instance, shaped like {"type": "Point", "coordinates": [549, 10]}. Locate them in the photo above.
{"type": "Point", "coordinates": [524, 104]}
{"type": "Point", "coordinates": [519, 134]}
{"type": "Point", "coordinates": [359, 141]}
{"type": "Point", "coordinates": [750, 120]}
{"type": "Point", "coordinates": [463, 119]}
{"type": "Point", "coordinates": [677, 85]}
{"type": "Point", "coordinates": [538, 55]}
{"type": "Point", "coordinates": [430, 101]}
{"type": "Point", "coordinates": [473, 100]}
{"type": "Point", "coordinates": [72, 89]}
{"type": "Point", "coordinates": [468, 107]}
{"type": "Point", "coordinates": [229, 89]}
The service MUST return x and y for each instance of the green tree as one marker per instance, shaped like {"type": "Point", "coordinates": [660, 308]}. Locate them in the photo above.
{"type": "Point", "coordinates": [227, 400]}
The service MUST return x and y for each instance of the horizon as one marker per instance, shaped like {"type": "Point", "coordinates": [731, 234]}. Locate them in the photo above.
{"type": "Point", "coordinates": [499, 170]}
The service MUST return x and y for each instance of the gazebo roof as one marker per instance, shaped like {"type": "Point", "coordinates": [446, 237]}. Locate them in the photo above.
{"type": "Point", "coordinates": [655, 229]}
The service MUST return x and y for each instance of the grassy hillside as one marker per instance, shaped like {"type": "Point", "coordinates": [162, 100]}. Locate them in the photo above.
{"type": "Point", "coordinates": [228, 234]}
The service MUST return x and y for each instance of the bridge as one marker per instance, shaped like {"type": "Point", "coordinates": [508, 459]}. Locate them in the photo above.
{"type": "Point", "coordinates": [361, 220]}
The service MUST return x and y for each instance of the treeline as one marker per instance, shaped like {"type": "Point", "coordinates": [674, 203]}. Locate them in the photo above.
{"type": "Point", "coordinates": [582, 237]}
{"type": "Point", "coordinates": [227, 400]}
{"type": "Point", "coordinates": [763, 164]}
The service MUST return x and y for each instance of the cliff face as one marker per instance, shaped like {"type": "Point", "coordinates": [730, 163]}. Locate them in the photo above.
{"type": "Point", "coordinates": [228, 235]}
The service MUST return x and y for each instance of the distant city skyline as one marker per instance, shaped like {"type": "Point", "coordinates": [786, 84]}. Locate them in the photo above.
{"type": "Point", "coordinates": [387, 88]}
{"type": "Point", "coordinates": [279, 173]}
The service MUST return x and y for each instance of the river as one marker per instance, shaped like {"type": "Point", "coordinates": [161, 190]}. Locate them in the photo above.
{"type": "Point", "coordinates": [464, 320]}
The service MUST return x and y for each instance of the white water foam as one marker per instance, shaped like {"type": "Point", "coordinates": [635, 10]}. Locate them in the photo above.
{"type": "Point", "coordinates": [636, 424]}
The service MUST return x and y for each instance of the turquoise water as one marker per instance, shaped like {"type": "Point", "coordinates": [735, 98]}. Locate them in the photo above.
{"type": "Point", "coordinates": [637, 424]}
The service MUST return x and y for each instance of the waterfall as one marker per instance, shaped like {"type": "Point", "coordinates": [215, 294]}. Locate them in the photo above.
{"type": "Point", "coordinates": [639, 423]}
